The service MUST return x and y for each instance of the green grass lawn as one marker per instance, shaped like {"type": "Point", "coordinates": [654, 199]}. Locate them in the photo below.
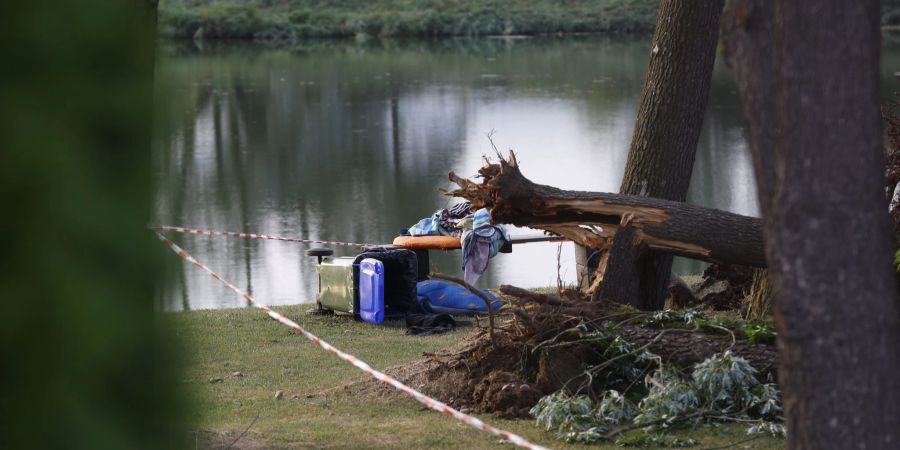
{"type": "Point", "coordinates": [315, 412]}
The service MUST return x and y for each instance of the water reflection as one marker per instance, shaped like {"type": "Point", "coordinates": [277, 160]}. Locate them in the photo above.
{"type": "Point", "coordinates": [351, 142]}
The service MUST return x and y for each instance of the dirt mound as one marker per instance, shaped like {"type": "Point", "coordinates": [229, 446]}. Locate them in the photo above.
{"type": "Point", "coordinates": [472, 376]}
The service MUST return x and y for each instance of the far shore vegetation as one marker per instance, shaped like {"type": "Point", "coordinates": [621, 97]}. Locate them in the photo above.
{"type": "Point", "coordinates": [297, 19]}
{"type": "Point", "coordinates": [292, 19]}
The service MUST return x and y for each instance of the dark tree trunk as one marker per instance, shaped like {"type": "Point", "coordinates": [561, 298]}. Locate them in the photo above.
{"type": "Point", "coordinates": [669, 120]}
{"type": "Point", "coordinates": [621, 274]}
{"type": "Point", "coordinates": [809, 80]}
{"type": "Point", "coordinates": [591, 218]}
{"type": "Point", "coordinates": [761, 297]}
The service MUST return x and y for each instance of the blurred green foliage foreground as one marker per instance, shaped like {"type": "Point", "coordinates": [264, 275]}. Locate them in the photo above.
{"type": "Point", "coordinates": [79, 359]}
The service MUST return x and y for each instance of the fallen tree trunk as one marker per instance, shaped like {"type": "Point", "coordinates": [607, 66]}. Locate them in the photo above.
{"type": "Point", "coordinates": [592, 218]}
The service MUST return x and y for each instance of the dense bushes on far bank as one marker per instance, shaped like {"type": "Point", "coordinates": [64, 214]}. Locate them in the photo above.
{"type": "Point", "coordinates": [292, 19]}
{"type": "Point", "coordinates": [268, 19]}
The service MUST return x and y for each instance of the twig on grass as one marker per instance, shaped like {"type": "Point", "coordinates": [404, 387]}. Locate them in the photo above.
{"type": "Point", "coordinates": [243, 432]}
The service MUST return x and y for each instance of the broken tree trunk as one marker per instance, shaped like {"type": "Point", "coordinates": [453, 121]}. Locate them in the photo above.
{"type": "Point", "coordinates": [591, 218]}
{"type": "Point", "coordinates": [667, 129]}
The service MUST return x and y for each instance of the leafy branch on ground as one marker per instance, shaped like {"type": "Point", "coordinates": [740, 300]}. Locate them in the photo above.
{"type": "Point", "coordinates": [723, 388]}
{"type": "Point", "coordinates": [753, 331]}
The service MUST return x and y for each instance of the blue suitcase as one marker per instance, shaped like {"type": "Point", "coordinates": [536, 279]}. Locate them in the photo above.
{"type": "Point", "coordinates": [371, 290]}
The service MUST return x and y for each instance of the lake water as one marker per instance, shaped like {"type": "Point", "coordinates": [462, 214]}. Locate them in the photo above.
{"type": "Point", "coordinates": [351, 141]}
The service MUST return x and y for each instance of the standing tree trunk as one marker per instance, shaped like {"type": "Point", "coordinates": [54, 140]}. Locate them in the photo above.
{"type": "Point", "coordinates": [809, 81]}
{"type": "Point", "coordinates": [761, 297]}
{"type": "Point", "coordinates": [664, 143]}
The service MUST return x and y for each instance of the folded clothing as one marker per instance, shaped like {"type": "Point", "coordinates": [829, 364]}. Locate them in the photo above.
{"type": "Point", "coordinates": [446, 222]}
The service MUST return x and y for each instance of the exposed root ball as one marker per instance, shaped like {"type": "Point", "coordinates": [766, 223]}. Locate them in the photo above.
{"type": "Point", "coordinates": [540, 349]}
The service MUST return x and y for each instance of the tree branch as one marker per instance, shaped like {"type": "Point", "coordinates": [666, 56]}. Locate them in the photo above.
{"type": "Point", "coordinates": [487, 301]}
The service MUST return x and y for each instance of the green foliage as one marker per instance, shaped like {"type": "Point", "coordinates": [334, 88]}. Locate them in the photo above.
{"type": "Point", "coordinates": [666, 317]}
{"type": "Point", "coordinates": [668, 398]}
{"type": "Point", "coordinates": [723, 383]}
{"type": "Point", "coordinates": [637, 439]}
{"type": "Point", "coordinates": [759, 333]}
{"type": "Point", "coordinates": [294, 19]}
{"type": "Point", "coordinates": [755, 332]}
{"type": "Point", "coordinates": [577, 419]}
{"type": "Point", "coordinates": [897, 260]}
{"type": "Point", "coordinates": [572, 417]}
{"type": "Point", "coordinates": [767, 429]}
{"type": "Point", "coordinates": [624, 364]}
{"type": "Point", "coordinates": [614, 408]}
{"type": "Point", "coordinates": [81, 365]}
{"type": "Point", "coordinates": [723, 387]}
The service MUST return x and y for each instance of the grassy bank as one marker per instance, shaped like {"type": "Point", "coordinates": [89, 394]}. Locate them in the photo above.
{"type": "Point", "coordinates": [290, 19]}
{"type": "Point", "coordinates": [315, 411]}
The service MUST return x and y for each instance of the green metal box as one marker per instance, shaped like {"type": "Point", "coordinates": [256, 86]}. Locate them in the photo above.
{"type": "Point", "coordinates": [336, 286]}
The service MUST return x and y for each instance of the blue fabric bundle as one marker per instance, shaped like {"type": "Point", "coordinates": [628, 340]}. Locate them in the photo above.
{"type": "Point", "coordinates": [437, 296]}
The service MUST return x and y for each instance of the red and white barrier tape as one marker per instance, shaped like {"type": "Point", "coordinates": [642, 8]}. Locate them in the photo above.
{"type": "Point", "coordinates": [251, 235]}
{"type": "Point", "coordinates": [422, 398]}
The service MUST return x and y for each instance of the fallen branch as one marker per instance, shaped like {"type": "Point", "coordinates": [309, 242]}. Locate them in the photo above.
{"type": "Point", "coordinates": [487, 301]}
{"type": "Point", "coordinates": [640, 349]}
{"type": "Point", "coordinates": [635, 426]}
{"type": "Point", "coordinates": [529, 295]}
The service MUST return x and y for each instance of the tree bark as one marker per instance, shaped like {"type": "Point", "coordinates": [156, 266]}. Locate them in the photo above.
{"type": "Point", "coordinates": [669, 120]}
{"type": "Point", "coordinates": [621, 281]}
{"type": "Point", "coordinates": [761, 296]}
{"type": "Point", "coordinates": [809, 79]}
{"type": "Point", "coordinates": [591, 218]}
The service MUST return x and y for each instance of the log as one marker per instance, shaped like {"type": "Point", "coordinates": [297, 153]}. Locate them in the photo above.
{"type": "Point", "coordinates": [592, 218]}
{"type": "Point", "coordinates": [684, 350]}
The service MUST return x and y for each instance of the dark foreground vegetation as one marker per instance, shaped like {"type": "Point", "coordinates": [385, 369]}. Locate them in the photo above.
{"type": "Point", "coordinates": [293, 19]}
